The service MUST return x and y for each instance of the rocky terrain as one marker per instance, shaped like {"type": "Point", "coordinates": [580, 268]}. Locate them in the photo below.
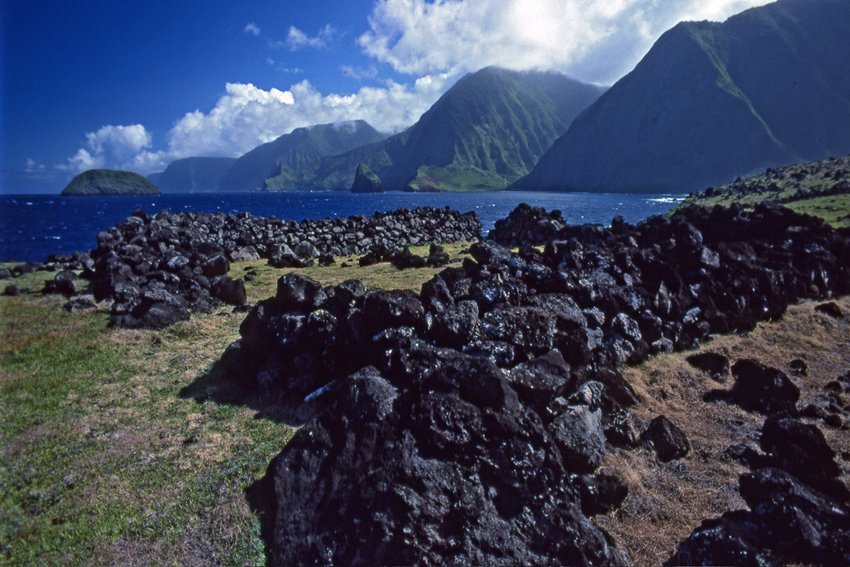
{"type": "Point", "coordinates": [157, 269]}
{"type": "Point", "coordinates": [468, 423]}
{"type": "Point", "coordinates": [821, 188]}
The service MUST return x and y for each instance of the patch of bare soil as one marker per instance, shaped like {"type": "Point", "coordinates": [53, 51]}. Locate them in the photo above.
{"type": "Point", "coordinates": [668, 500]}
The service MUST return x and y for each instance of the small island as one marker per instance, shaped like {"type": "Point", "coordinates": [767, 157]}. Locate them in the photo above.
{"type": "Point", "coordinates": [110, 182]}
{"type": "Point", "coordinates": [366, 181]}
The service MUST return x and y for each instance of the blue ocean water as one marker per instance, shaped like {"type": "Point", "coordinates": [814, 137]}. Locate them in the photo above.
{"type": "Point", "coordinates": [33, 226]}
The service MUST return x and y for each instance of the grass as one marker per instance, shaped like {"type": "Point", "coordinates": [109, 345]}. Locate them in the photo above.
{"type": "Point", "coordinates": [833, 209]}
{"type": "Point", "coordinates": [101, 459]}
{"type": "Point", "coordinates": [668, 500]}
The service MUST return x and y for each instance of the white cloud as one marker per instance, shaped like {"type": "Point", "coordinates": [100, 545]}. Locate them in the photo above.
{"type": "Point", "coordinates": [246, 115]}
{"type": "Point", "coordinates": [32, 166]}
{"type": "Point", "coordinates": [359, 73]}
{"type": "Point", "coordinates": [434, 40]}
{"type": "Point", "coordinates": [297, 39]}
{"type": "Point", "coordinates": [251, 29]}
{"type": "Point", "coordinates": [114, 145]}
{"type": "Point", "coordinates": [595, 41]}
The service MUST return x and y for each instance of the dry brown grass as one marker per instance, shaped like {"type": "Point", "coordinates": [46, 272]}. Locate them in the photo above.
{"type": "Point", "coordinates": [668, 500]}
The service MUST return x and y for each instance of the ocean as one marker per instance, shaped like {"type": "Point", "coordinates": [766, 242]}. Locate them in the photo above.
{"type": "Point", "coordinates": [34, 226]}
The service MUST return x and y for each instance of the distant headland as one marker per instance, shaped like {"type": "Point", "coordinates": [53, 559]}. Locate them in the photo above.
{"type": "Point", "coordinates": [110, 182]}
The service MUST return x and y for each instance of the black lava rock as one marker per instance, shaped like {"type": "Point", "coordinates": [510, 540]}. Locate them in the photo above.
{"type": "Point", "coordinates": [716, 364]}
{"type": "Point", "coordinates": [669, 441]}
{"type": "Point", "coordinates": [830, 308]}
{"type": "Point", "coordinates": [762, 388]}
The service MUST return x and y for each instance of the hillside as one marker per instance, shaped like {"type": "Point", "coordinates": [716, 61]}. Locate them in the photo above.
{"type": "Point", "coordinates": [289, 161]}
{"type": "Point", "coordinates": [194, 174]}
{"type": "Point", "coordinates": [819, 188]}
{"type": "Point", "coordinates": [489, 129]}
{"type": "Point", "coordinates": [109, 182]}
{"type": "Point", "coordinates": [712, 101]}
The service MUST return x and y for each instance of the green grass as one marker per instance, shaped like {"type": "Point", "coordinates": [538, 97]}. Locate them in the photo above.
{"type": "Point", "coordinates": [102, 461]}
{"type": "Point", "coordinates": [833, 209]}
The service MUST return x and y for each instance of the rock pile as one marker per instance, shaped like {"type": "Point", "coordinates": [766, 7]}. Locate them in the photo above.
{"type": "Point", "coordinates": [798, 508]}
{"type": "Point", "coordinates": [527, 225]}
{"type": "Point", "coordinates": [159, 268]}
{"type": "Point", "coordinates": [403, 258]}
{"type": "Point", "coordinates": [466, 423]}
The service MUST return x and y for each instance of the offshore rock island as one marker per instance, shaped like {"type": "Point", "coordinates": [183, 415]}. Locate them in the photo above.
{"type": "Point", "coordinates": [100, 182]}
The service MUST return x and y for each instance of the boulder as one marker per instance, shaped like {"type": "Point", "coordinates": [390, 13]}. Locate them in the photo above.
{"type": "Point", "coordinates": [669, 441]}
{"type": "Point", "coordinates": [830, 308]}
{"type": "Point", "coordinates": [229, 290]}
{"type": "Point", "coordinates": [799, 523]}
{"type": "Point", "coordinates": [602, 493]}
{"type": "Point", "coordinates": [217, 265]}
{"type": "Point", "coordinates": [800, 449]}
{"type": "Point", "coordinates": [732, 539]}
{"type": "Point", "coordinates": [66, 283]}
{"type": "Point", "coordinates": [715, 364]}
{"type": "Point", "coordinates": [453, 472]}
{"type": "Point", "coordinates": [156, 310]}
{"type": "Point", "coordinates": [80, 303]}
{"type": "Point", "coordinates": [579, 436]}
{"type": "Point", "coordinates": [762, 388]}
{"type": "Point", "coordinates": [455, 326]}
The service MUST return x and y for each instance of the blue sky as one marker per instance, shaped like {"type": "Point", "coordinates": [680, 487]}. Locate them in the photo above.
{"type": "Point", "coordinates": [136, 84]}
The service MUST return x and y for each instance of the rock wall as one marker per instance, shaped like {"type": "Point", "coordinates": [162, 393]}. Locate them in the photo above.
{"type": "Point", "coordinates": [465, 424]}
{"type": "Point", "coordinates": [159, 268]}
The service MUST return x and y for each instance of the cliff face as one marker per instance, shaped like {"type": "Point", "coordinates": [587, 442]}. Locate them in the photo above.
{"type": "Point", "coordinates": [713, 101]}
{"type": "Point", "coordinates": [110, 182]}
{"type": "Point", "coordinates": [486, 131]}
{"type": "Point", "coordinates": [289, 161]}
{"type": "Point", "coordinates": [194, 174]}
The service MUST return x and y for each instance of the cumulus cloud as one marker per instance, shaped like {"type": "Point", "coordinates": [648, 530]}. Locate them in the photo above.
{"type": "Point", "coordinates": [596, 41]}
{"type": "Point", "coordinates": [434, 40]}
{"type": "Point", "coordinates": [113, 145]}
{"type": "Point", "coordinates": [247, 115]}
{"type": "Point", "coordinates": [297, 39]}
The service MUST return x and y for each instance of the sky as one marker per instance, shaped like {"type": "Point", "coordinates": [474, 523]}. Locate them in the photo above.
{"type": "Point", "coordinates": [136, 84]}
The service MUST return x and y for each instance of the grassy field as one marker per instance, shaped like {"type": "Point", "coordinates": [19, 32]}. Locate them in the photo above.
{"type": "Point", "coordinates": [799, 187]}
{"type": "Point", "coordinates": [834, 209]}
{"type": "Point", "coordinates": [101, 459]}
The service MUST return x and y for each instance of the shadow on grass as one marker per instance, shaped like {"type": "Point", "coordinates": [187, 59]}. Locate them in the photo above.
{"type": "Point", "coordinates": [223, 383]}
{"type": "Point", "coordinates": [262, 501]}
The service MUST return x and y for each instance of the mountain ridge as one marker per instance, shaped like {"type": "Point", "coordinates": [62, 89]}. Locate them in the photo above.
{"type": "Point", "coordinates": [289, 161]}
{"type": "Point", "coordinates": [486, 130]}
{"type": "Point", "coordinates": [767, 79]}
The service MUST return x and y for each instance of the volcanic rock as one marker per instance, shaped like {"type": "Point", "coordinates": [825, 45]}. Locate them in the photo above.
{"type": "Point", "coordinates": [668, 440]}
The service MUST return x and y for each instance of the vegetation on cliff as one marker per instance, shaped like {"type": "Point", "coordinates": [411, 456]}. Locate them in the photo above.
{"type": "Point", "coordinates": [110, 182]}
{"type": "Point", "coordinates": [711, 101]}
{"type": "Point", "coordinates": [818, 188]}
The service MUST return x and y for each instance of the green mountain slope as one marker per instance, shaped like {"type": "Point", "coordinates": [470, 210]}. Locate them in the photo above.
{"type": "Point", "coordinates": [289, 161]}
{"type": "Point", "coordinates": [712, 101]}
{"type": "Point", "coordinates": [109, 182]}
{"type": "Point", "coordinates": [194, 174]}
{"type": "Point", "coordinates": [489, 129]}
